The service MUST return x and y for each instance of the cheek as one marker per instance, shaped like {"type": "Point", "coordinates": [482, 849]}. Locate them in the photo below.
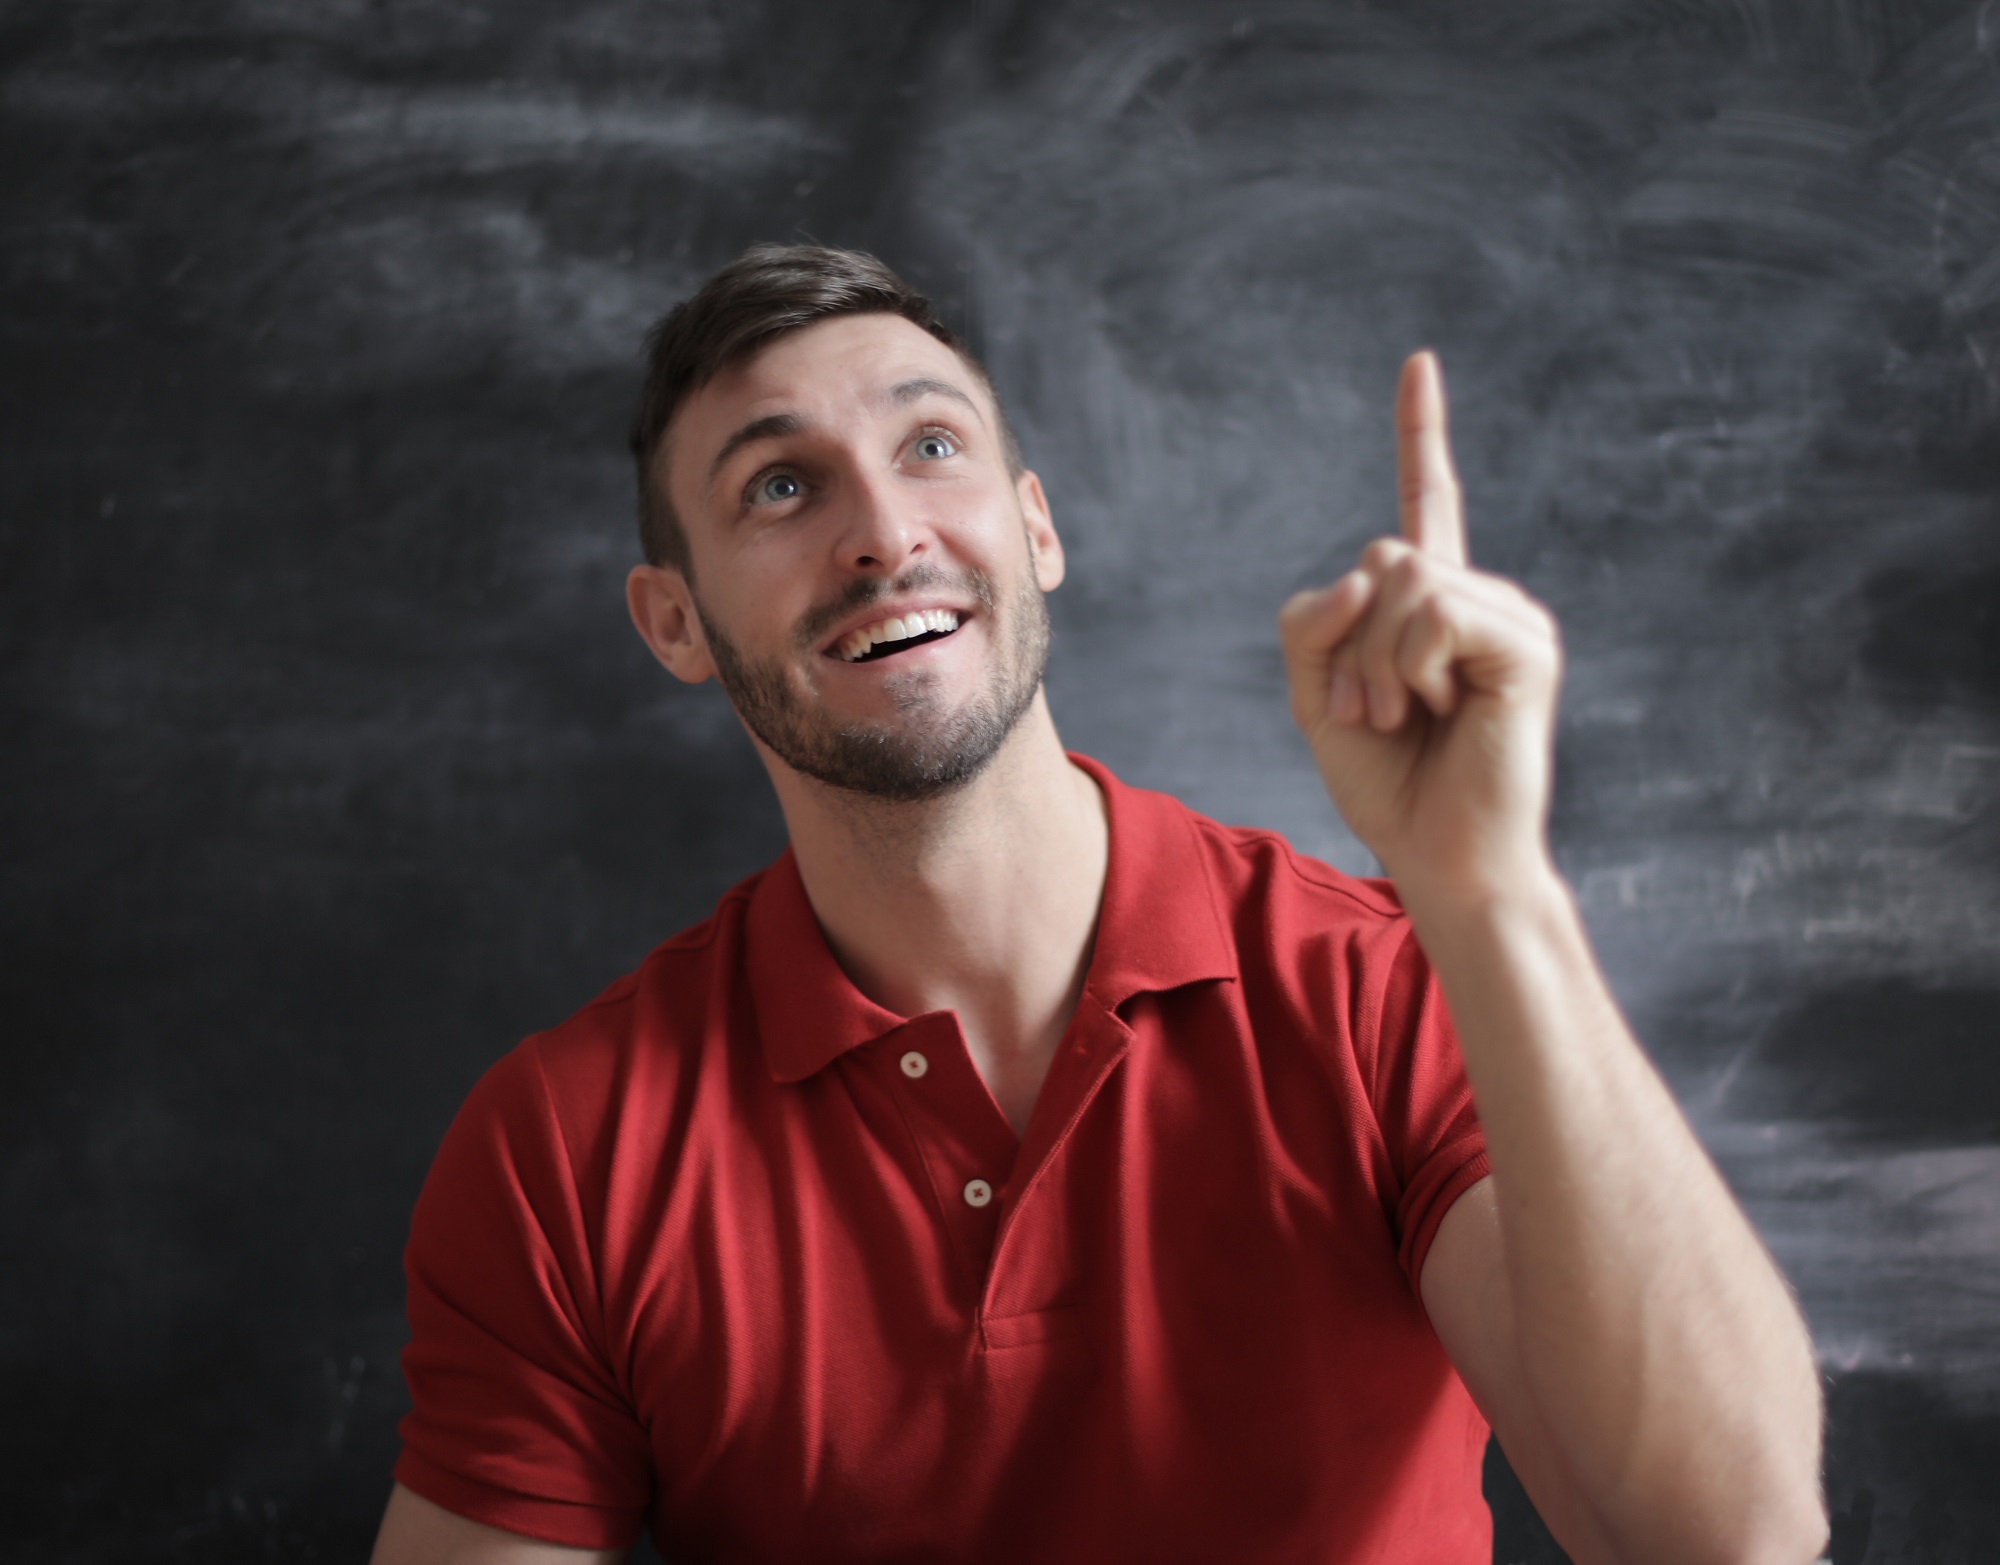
{"type": "Point", "coordinates": [767, 593]}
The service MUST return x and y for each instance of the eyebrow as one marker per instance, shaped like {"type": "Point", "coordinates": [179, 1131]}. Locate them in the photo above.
{"type": "Point", "coordinates": [773, 426]}
{"type": "Point", "coordinates": [905, 392]}
{"type": "Point", "coordinates": [776, 426]}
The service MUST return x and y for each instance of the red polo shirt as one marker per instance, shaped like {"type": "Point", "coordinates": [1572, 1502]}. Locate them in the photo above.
{"type": "Point", "coordinates": [737, 1252]}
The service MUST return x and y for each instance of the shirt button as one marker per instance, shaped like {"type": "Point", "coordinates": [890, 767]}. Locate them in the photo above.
{"type": "Point", "coordinates": [977, 1192]}
{"type": "Point", "coordinates": [914, 1065]}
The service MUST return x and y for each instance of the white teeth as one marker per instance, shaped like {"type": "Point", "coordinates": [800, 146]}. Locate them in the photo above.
{"type": "Point", "coordinates": [895, 628]}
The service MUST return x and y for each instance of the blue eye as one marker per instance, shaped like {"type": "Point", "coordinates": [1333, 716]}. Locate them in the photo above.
{"type": "Point", "coordinates": [932, 448]}
{"type": "Point", "coordinates": [776, 488]}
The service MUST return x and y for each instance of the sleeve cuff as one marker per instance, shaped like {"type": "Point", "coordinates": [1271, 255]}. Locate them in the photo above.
{"type": "Point", "coordinates": [564, 1522]}
{"type": "Point", "coordinates": [1439, 1199]}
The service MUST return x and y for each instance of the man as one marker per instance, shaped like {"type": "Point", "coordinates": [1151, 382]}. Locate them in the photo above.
{"type": "Point", "coordinates": [1025, 1168]}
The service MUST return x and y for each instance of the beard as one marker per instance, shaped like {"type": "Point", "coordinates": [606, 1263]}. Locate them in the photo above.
{"type": "Point", "coordinates": [926, 750]}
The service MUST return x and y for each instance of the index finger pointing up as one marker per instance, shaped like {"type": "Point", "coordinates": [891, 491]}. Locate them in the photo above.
{"type": "Point", "coordinates": [1433, 517]}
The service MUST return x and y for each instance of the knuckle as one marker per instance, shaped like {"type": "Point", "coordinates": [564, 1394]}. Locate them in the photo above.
{"type": "Point", "coordinates": [1411, 571]}
{"type": "Point", "coordinates": [1380, 555]}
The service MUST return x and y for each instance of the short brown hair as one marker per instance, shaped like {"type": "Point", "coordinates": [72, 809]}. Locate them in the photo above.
{"type": "Point", "coordinates": [764, 293]}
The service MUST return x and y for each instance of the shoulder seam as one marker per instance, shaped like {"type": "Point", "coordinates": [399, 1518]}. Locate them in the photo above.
{"type": "Point", "coordinates": [1299, 864]}
{"type": "Point", "coordinates": [704, 932]}
{"type": "Point", "coordinates": [696, 937]}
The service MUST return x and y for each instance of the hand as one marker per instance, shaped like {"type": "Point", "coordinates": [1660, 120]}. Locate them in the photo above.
{"type": "Point", "coordinates": [1427, 689]}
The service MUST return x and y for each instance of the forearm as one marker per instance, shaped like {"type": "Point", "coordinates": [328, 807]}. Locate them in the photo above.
{"type": "Point", "coordinates": [1651, 1339]}
{"type": "Point", "coordinates": [1659, 1343]}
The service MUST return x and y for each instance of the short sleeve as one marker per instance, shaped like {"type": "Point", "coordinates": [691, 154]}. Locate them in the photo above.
{"type": "Point", "coordinates": [517, 1419]}
{"type": "Point", "coordinates": [1422, 1100]}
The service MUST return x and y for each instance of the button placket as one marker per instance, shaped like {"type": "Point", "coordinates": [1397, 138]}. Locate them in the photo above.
{"type": "Point", "coordinates": [1020, 1285]}
{"type": "Point", "coordinates": [966, 1145]}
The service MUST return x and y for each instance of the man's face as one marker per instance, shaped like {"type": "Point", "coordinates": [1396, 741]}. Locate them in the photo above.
{"type": "Point", "coordinates": [868, 576]}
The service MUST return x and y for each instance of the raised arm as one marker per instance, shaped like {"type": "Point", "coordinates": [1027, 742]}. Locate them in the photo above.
{"type": "Point", "coordinates": [1603, 1297]}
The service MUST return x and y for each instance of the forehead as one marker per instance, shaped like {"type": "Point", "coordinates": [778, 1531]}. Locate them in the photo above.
{"type": "Point", "coordinates": [836, 358]}
{"type": "Point", "coordinates": [832, 374]}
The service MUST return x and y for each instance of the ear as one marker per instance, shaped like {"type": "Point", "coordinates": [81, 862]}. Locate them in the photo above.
{"type": "Point", "coordinates": [1044, 547]}
{"type": "Point", "coordinates": [663, 613]}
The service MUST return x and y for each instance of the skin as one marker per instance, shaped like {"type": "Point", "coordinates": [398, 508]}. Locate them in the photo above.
{"type": "Point", "coordinates": [928, 905]}
{"type": "Point", "coordinates": [1605, 1301]}
{"type": "Point", "coordinates": [1601, 1295]}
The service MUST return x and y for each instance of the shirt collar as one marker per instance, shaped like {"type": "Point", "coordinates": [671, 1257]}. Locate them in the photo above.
{"type": "Point", "coordinates": [1160, 927]}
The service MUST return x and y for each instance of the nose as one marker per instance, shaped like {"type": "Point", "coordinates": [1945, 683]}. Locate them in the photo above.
{"type": "Point", "coordinates": [881, 532]}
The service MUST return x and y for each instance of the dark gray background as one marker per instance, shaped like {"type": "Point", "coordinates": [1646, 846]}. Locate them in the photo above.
{"type": "Point", "coordinates": [332, 767]}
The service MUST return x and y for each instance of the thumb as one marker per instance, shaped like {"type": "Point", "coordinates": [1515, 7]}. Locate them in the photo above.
{"type": "Point", "coordinates": [1311, 628]}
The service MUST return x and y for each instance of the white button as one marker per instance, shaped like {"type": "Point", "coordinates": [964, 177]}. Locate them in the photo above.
{"type": "Point", "coordinates": [977, 1192]}
{"type": "Point", "coordinates": [914, 1065]}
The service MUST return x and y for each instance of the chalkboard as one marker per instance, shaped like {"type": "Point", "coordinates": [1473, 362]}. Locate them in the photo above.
{"type": "Point", "coordinates": [332, 767]}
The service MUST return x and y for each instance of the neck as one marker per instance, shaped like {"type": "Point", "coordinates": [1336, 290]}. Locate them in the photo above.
{"type": "Point", "coordinates": [982, 901]}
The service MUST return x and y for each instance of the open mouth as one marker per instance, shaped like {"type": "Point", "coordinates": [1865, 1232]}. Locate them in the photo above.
{"type": "Point", "coordinates": [898, 633]}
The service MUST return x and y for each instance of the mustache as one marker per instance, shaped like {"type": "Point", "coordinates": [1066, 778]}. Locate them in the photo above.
{"type": "Point", "coordinates": [859, 594]}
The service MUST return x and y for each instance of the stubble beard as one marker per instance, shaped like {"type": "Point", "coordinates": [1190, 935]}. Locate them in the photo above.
{"type": "Point", "coordinates": [927, 751]}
